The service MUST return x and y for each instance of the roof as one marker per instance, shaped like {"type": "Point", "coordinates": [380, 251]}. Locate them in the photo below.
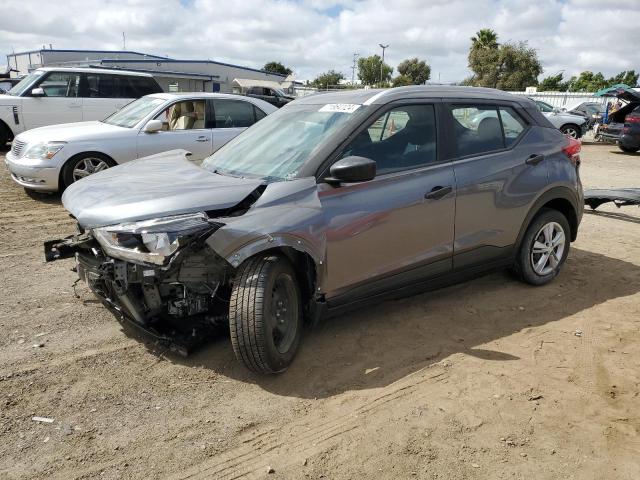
{"type": "Point", "coordinates": [381, 96]}
{"type": "Point", "coordinates": [246, 83]}
{"type": "Point", "coordinates": [94, 70]}
{"type": "Point", "coordinates": [173, 60]}
{"type": "Point", "coordinates": [130, 52]}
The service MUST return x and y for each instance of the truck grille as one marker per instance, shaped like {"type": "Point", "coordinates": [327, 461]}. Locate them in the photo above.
{"type": "Point", "coordinates": [17, 147]}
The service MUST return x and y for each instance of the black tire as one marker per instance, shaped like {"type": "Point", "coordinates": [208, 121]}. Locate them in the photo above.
{"type": "Point", "coordinates": [265, 314]}
{"type": "Point", "coordinates": [629, 149]}
{"type": "Point", "coordinates": [526, 256]}
{"type": "Point", "coordinates": [4, 136]}
{"type": "Point", "coordinates": [572, 130]}
{"type": "Point", "coordinates": [68, 176]}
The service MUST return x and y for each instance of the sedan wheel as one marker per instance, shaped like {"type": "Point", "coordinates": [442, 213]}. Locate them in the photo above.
{"type": "Point", "coordinates": [571, 131]}
{"type": "Point", "coordinates": [547, 249]}
{"type": "Point", "coordinates": [87, 166]}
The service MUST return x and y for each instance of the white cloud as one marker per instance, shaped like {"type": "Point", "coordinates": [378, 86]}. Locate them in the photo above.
{"type": "Point", "coordinates": [312, 36]}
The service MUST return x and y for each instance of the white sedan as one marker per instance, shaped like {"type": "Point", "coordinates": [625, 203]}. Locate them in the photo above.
{"type": "Point", "coordinates": [51, 158]}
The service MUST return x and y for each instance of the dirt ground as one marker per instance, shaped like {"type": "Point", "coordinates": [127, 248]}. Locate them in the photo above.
{"type": "Point", "coordinates": [490, 379]}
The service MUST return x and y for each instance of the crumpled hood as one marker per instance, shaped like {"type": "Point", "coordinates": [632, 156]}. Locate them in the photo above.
{"type": "Point", "coordinates": [150, 187]}
{"type": "Point", "coordinates": [68, 132]}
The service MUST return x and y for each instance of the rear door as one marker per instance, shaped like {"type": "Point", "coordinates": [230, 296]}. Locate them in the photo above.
{"type": "Point", "coordinates": [61, 103]}
{"type": "Point", "coordinates": [185, 126]}
{"type": "Point", "coordinates": [500, 169]}
{"type": "Point", "coordinates": [397, 228]}
{"type": "Point", "coordinates": [105, 93]}
{"type": "Point", "coordinates": [231, 117]}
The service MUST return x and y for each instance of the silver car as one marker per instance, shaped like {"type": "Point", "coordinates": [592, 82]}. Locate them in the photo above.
{"type": "Point", "coordinates": [573, 125]}
{"type": "Point", "coordinates": [334, 201]}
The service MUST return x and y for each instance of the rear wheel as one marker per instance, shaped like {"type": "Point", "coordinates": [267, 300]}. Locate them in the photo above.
{"type": "Point", "coordinates": [84, 165]}
{"type": "Point", "coordinates": [4, 136]}
{"type": "Point", "coordinates": [544, 248]}
{"type": "Point", "coordinates": [629, 149]}
{"type": "Point", "coordinates": [570, 129]}
{"type": "Point", "coordinates": [265, 314]}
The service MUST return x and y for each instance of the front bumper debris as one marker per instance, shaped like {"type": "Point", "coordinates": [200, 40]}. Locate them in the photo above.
{"type": "Point", "coordinates": [180, 305]}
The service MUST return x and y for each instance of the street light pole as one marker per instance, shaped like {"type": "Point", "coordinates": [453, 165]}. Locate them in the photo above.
{"type": "Point", "coordinates": [353, 69]}
{"type": "Point", "coordinates": [384, 47]}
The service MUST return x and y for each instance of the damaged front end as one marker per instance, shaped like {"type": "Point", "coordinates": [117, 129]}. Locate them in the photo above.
{"type": "Point", "coordinates": [157, 275]}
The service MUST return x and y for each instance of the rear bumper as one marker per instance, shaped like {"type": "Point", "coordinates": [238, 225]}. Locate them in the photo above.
{"type": "Point", "coordinates": [629, 140]}
{"type": "Point", "coordinates": [32, 175]}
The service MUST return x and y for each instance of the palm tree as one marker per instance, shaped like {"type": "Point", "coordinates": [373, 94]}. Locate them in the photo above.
{"type": "Point", "coordinates": [485, 39]}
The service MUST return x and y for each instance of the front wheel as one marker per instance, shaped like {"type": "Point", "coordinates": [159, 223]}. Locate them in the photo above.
{"type": "Point", "coordinates": [544, 248]}
{"type": "Point", "coordinates": [629, 149]}
{"type": "Point", "coordinates": [265, 314]}
{"type": "Point", "coordinates": [83, 165]}
{"type": "Point", "coordinates": [571, 130]}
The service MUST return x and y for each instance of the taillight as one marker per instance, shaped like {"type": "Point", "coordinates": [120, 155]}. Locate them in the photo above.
{"type": "Point", "coordinates": [572, 150]}
{"type": "Point", "coordinates": [632, 119]}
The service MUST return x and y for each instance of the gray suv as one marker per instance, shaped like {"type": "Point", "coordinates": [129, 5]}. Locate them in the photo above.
{"type": "Point", "coordinates": [334, 201]}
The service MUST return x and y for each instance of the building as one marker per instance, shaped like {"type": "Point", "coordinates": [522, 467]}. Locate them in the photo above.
{"type": "Point", "coordinates": [172, 74]}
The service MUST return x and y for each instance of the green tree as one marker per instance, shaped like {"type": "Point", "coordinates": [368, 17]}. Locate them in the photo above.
{"type": "Point", "coordinates": [629, 78]}
{"type": "Point", "coordinates": [485, 39]}
{"type": "Point", "coordinates": [508, 66]}
{"type": "Point", "coordinates": [370, 68]}
{"type": "Point", "coordinates": [327, 79]}
{"type": "Point", "coordinates": [412, 72]}
{"type": "Point", "coordinates": [553, 83]}
{"type": "Point", "coordinates": [277, 67]}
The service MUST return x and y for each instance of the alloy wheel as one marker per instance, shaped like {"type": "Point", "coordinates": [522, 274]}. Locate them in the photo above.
{"type": "Point", "coordinates": [548, 248]}
{"type": "Point", "coordinates": [88, 166]}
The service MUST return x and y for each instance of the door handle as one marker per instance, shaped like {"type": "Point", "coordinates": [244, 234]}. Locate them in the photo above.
{"type": "Point", "coordinates": [534, 159]}
{"type": "Point", "coordinates": [202, 139]}
{"type": "Point", "coordinates": [438, 192]}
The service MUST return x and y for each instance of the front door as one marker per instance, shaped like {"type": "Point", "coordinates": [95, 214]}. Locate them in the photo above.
{"type": "Point", "coordinates": [61, 102]}
{"type": "Point", "coordinates": [397, 228]}
{"type": "Point", "coordinates": [184, 127]}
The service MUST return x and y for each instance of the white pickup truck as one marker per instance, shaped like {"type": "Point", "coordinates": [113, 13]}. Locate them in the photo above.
{"type": "Point", "coordinates": [49, 96]}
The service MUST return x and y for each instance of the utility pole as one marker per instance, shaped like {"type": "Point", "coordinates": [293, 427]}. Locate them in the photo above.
{"type": "Point", "coordinates": [353, 69]}
{"type": "Point", "coordinates": [124, 42]}
{"type": "Point", "coordinates": [384, 47]}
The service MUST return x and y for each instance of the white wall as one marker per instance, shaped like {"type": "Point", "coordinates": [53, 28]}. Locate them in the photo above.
{"type": "Point", "coordinates": [561, 99]}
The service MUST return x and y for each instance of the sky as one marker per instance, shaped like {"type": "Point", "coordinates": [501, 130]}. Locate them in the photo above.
{"type": "Point", "coordinates": [313, 36]}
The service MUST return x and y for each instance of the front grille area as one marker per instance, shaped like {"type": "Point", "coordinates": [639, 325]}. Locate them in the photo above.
{"type": "Point", "coordinates": [17, 147]}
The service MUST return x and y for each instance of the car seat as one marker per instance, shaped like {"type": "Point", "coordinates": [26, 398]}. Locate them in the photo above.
{"type": "Point", "coordinates": [199, 114]}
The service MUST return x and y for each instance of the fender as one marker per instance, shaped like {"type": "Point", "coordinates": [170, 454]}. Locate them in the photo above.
{"type": "Point", "coordinates": [554, 193]}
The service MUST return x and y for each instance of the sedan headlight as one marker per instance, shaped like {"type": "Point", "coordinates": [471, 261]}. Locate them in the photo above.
{"type": "Point", "coordinates": [151, 241]}
{"type": "Point", "coordinates": [43, 150]}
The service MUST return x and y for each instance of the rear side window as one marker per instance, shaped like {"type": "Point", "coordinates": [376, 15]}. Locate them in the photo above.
{"type": "Point", "coordinates": [101, 85]}
{"type": "Point", "coordinates": [233, 114]}
{"type": "Point", "coordinates": [259, 113]}
{"type": "Point", "coordinates": [512, 125]}
{"type": "Point", "coordinates": [481, 129]}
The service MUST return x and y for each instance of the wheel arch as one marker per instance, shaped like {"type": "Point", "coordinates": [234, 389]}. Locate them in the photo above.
{"type": "Point", "coordinates": [10, 135]}
{"type": "Point", "coordinates": [74, 157]}
{"type": "Point", "coordinates": [561, 199]}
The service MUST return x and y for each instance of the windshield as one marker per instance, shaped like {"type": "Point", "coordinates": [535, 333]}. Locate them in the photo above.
{"type": "Point", "coordinates": [25, 83]}
{"type": "Point", "coordinates": [131, 114]}
{"type": "Point", "coordinates": [277, 147]}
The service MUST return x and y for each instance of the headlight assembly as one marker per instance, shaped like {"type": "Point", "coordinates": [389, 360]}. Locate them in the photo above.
{"type": "Point", "coordinates": [43, 150]}
{"type": "Point", "coordinates": [151, 241]}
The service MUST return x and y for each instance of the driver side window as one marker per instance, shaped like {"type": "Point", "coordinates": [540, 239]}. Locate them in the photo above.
{"type": "Point", "coordinates": [403, 138]}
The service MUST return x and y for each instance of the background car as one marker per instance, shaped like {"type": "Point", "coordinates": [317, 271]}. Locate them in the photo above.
{"type": "Point", "coordinates": [573, 125]}
{"type": "Point", "coordinates": [51, 158]}
{"type": "Point", "coordinates": [272, 95]}
{"type": "Point", "coordinates": [591, 111]}
{"type": "Point", "coordinates": [49, 96]}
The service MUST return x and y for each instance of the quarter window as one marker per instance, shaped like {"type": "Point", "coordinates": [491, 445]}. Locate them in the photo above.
{"type": "Point", "coordinates": [401, 139]}
{"type": "Point", "coordinates": [233, 114]}
{"type": "Point", "coordinates": [186, 115]}
{"type": "Point", "coordinates": [61, 84]}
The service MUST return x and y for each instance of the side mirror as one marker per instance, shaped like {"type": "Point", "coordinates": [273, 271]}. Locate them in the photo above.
{"type": "Point", "coordinates": [38, 92]}
{"type": "Point", "coordinates": [153, 126]}
{"type": "Point", "coordinates": [351, 170]}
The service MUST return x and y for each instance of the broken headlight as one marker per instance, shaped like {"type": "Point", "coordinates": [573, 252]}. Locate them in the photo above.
{"type": "Point", "coordinates": [150, 241]}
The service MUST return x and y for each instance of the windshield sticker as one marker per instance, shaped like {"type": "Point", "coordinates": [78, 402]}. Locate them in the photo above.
{"type": "Point", "coordinates": [339, 107]}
